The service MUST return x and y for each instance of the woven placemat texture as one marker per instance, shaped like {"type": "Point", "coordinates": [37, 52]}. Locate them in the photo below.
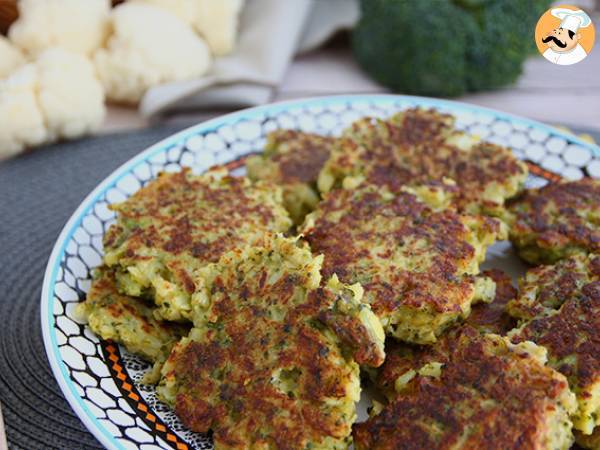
{"type": "Point", "coordinates": [38, 193]}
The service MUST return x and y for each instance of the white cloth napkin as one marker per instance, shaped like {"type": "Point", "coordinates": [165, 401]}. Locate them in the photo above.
{"type": "Point", "coordinates": [271, 33]}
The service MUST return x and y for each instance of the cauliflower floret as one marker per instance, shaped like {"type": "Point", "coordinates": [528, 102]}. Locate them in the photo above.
{"type": "Point", "coordinates": [149, 46]}
{"type": "Point", "coordinates": [10, 57]}
{"type": "Point", "coordinates": [70, 95]}
{"type": "Point", "coordinates": [216, 21]}
{"type": "Point", "coordinates": [80, 26]}
{"type": "Point", "coordinates": [186, 10]}
{"type": "Point", "coordinates": [56, 96]}
{"type": "Point", "coordinates": [20, 115]}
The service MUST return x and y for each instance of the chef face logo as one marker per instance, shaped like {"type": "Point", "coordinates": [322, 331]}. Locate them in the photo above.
{"type": "Point", "coordinates": [565, 35]}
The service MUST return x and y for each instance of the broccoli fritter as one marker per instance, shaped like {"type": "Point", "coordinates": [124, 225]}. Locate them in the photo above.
{"type": "Point", "coordinates": [417, 146]}
{"type": "Point", "coordinates": [561, 308]}
{"type": "Point", "coordinates": [179, 223]}
{"type": "Point", "coordinates": [293, 160]}
{"type": "Point", "coordinates": [263, 367]}
{"type": "Point", "coordinates": [418, 266]}
{"type": "Point", "coordinates": [471, 391]}
{"type": "Point", "coordinates": [128, 321]}
{"type": "Point", "coordinates": [556, 221]}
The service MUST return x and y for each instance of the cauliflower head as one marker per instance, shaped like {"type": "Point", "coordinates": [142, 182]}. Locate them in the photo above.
{"type": "Point", "coordinates": [149, 46]}
{"type": "Point", "coordinates": [22, 120]}
{"type": "Point", "coordinates": [56, 96]}
{"type": "Point", "coordinates": [10, 57]}
{"type": "Point", "coordinates": [216, 21]}
{"type": "Point", "coordinates": [69, 94]}
{"type": "Point", "coordinates": [80, 26]}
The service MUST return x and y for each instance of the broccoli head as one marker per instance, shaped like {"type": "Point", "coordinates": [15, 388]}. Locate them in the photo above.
{"type": "Point", "coordinates": [444, 47]}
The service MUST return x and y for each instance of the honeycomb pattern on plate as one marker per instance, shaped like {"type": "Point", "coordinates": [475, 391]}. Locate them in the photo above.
{"type": "Point", "coordinates": [78, 351]}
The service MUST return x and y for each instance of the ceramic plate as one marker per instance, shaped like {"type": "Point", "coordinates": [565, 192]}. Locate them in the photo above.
{"type": "Point", "coordinates": [100, 380]}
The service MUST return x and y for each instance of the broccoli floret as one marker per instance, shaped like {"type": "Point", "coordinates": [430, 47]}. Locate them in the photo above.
{"type": "Point", "coordinates": [443, 47]}
{"type": "Point", "coordinates": [411, 47]}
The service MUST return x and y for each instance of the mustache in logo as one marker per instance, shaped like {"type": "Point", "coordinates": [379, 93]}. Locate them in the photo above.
{"type": "Point", "coordinates": [555, 40]}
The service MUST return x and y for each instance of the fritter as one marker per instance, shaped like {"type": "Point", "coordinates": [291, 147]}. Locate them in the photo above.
{"type": "Point", "coordinates": [485, 318]}
{"type": "Point", "coordinates": [179, 223]}
{"type": "Point", "coordinates": [418, 265]}
{"type": "Point", "coordinates": [273, 359]}
{"type": "Point", "coordinates": [544, 289]}
{"type": "Point", "coordinates": [128, 321]}
{"type": "Point", "coordinates": [474, 391]}
{"type": "Point", "coordinates": [556, 221]}
{"type": "Point", "coordinates": [566, 321]}
{"type": "Point", "coordinates": [293, 160]}
{"type": "Point", "coordinates": [493, 317]}
{"type": "Point", "coordinates": [416, 146]}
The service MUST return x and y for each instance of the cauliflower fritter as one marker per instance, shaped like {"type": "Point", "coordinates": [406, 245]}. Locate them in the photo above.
{"type": "Point", "coordinates": [129, 321]}
{"type": "Point", "coordinates": [418, 266]}
{"type": "Point", "coordinates": [293, 160]}
{"type": "Point", "coordinates": [263, 367]}
{"type": "Point", "coordinates": [416, 146]}
{"type": "Point", "coordinates": [561, 308]}
{"type": "Point", "coordinates": [556, 221]}
{"type": "Point", "coordinates": [179, 223]}
{"type": "Point", "coordinates": [470, 391]}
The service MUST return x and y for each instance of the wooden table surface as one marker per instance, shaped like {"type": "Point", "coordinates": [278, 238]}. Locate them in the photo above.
{"type": "Point", "coordinates": [546, 92]}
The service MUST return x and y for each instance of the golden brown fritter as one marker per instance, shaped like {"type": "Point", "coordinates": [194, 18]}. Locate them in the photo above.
{"type": "Point", "coordinates": [545, 288]}
{"type": "Point", "coordinates": [556, 221]}
{"type": "Point", "coordinates": [493, 317]}
{"type": "Point", "coordinates": [418, 266]}
{"type": "Point", "coordinates": [474, 392]}
{"type": "Point", "coordinates": [567, 324]}
{"type": "Point", "coordinates": [293, 160]}
{"type": "Point", "coordinates": [181, 222]}
{"type": "Point", "coordinates": [485, 318]}
{"type": "Point", "coordinates": [128, 321]}
{"type": "Point", "coordinates": [263, 367]}
{"type": "Point", "coordinates": [417, 146]}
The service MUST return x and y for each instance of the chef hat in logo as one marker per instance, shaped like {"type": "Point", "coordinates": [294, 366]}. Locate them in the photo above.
{"type": "Point", "coordinates": [572, 20]}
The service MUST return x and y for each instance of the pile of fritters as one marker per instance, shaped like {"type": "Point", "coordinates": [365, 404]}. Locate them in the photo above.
{"type": "Point", "coordinates": [260, 300]}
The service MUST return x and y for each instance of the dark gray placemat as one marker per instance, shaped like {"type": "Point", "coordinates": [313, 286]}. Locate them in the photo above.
{"type": "Point", "coordinates": [38, 193]}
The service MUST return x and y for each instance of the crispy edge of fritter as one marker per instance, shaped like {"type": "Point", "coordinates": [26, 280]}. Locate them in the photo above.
{"type": "Point", "coordinates": [128, 321]}
{"type": "Point", "coordinates": [493, 317]}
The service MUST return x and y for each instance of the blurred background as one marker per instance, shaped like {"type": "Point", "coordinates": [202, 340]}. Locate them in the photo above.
{"type": "Point", "coordinates": [70, 68]}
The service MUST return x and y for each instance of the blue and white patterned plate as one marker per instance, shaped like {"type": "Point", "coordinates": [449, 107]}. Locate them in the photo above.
{"type": "Point", "coordinates": [100, 380]}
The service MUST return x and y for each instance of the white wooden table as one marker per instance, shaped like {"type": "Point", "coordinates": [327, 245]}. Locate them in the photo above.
{"type": "Point", "coordinates": [554, 94]}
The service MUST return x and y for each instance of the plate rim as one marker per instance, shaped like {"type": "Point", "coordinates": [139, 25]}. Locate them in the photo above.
{"type": "Point", "coordinates": [58, 365]}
